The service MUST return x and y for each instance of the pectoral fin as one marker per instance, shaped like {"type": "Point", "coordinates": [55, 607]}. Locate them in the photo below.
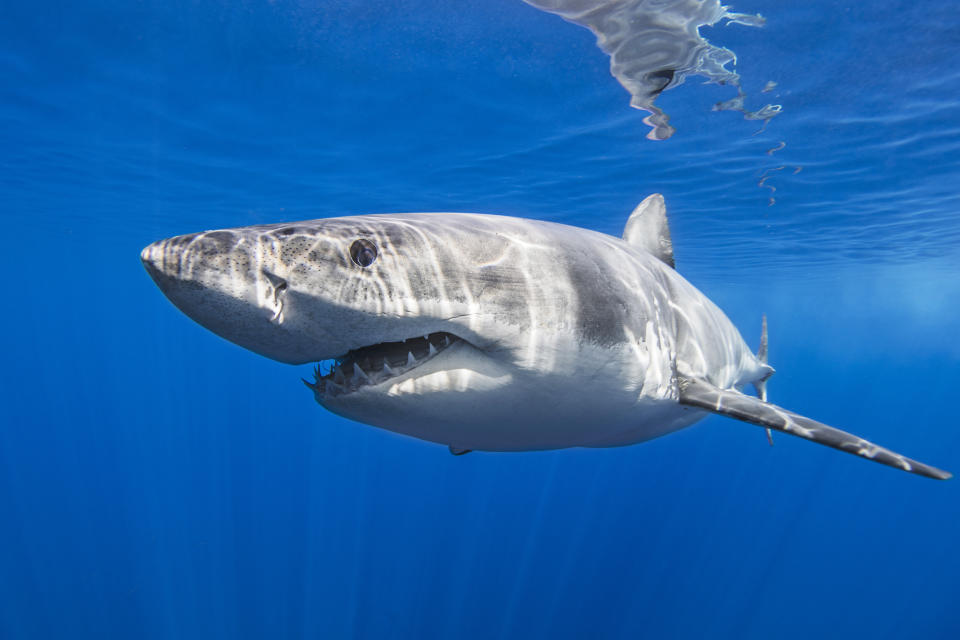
{"type": "Point", "coordinates": [728, 402]}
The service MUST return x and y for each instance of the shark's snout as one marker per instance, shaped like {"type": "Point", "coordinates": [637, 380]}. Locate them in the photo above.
{"type": "Point", "coordinates": [224, 282]}
{"type": "Point", "coordinates": [147, 256]}
{"type": "Point", "coordinates": [154, 261]}
{"type": "Point", "coordinates": [150, 258]}
{"type": "Point", "coordinates": [190, 256]}
{"type": "Point", "coordinates": [162, 265]}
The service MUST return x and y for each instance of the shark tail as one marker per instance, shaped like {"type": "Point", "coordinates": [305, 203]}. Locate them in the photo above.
{"type": "Point", "coordinates": [729, 402]}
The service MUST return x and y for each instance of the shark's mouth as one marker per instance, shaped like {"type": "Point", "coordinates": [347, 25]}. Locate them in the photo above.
{"type": "Point", "coordinates": [377, 364]}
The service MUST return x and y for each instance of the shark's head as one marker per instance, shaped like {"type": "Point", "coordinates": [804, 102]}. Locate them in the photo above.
{"type": "Point", "coordinates": [404, 305]}
{"type": "Point", "coordinates": [346, 288]}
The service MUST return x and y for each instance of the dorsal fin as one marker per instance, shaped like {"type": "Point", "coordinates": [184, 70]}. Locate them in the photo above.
{"type": "Point", "coordinates": [647, 228]}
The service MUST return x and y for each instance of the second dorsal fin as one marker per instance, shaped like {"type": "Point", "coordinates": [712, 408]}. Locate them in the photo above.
{"type": "Point", "coordinates": [647, 228]}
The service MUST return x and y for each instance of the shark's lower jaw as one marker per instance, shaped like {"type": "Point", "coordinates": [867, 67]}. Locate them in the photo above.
{"type": "Point", "coordinates": [376, 364]}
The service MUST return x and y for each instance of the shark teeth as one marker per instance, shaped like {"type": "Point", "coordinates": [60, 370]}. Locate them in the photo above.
{"type": "Point", "coordinates": [359, 373]}
{"type": "Point", "coordinates": [376, 364]}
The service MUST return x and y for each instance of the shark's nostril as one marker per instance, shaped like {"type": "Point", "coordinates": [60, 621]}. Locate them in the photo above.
{"type": "Point", "coordinates": [278, 286]}
{"type": "Point", "coordinates": [275, 281]}
{"type": "Point", "coordinates": [277, 290]}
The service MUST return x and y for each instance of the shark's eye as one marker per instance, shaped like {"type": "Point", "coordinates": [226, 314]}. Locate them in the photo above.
{"type": "Point", "coordinates": [363, 252]}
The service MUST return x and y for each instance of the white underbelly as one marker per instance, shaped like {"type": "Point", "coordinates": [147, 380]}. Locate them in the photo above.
{"type": "Point", "coordinates": [488, 412]}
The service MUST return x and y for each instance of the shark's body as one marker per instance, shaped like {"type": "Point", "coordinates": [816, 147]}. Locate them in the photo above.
{"type": "Point", "coordinates": [484, 332]}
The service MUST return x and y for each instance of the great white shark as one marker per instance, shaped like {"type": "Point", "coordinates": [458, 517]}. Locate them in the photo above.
{"type": "Point", "coordinates": [485, 332]}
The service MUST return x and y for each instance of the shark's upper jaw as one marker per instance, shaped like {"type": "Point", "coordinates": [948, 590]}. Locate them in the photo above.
{"type": "Point", "coordinates": [378, 364]}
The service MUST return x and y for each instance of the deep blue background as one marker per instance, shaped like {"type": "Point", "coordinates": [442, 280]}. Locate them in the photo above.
{"type": "Point", "coordinates": [158, 482]}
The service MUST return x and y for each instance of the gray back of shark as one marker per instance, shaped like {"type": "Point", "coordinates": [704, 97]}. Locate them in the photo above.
{"type": "Point", "coordinates": [483, 332]}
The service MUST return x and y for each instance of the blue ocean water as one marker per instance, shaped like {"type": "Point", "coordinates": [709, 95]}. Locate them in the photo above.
{"type": "Point", "coordinates": [159, 482]}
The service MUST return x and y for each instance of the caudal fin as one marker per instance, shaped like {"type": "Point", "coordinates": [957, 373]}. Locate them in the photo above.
{"type": "Point", "coordinates": [728, 402]}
